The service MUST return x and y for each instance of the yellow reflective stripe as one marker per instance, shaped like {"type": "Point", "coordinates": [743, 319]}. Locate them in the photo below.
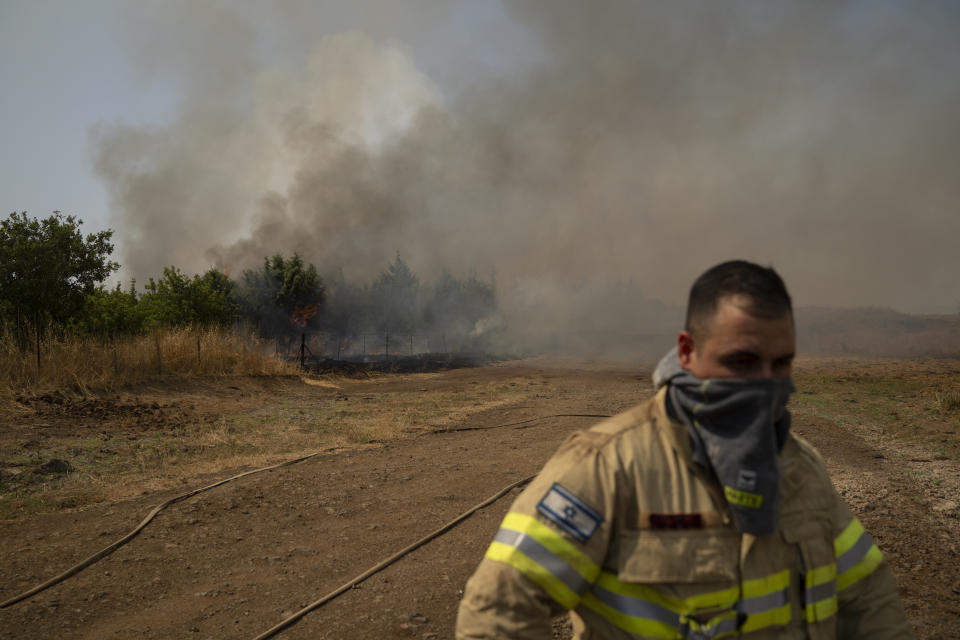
{"type": "Point", "coordinates": [862, 569]}
{"type": "Point", "coordinates": [821, 583]}
{"type": "Point", "coordinates": [611, 583]}
{"type": "Point", "coordinates": [554, 542]}
{"type": "Point", "coordinates": [762, 586]}
{"type": "Point", "coordinates": [713, 599]}
{"type": "Point", "coordinates": [821, 610]}
{"type": "Point", "coordinates": [843, 543]}
{"type": "Point", "coordinates": [753, 588]}
{"type": "Point", "coordinates": [821, 575]}
{"type": "Point", "coordinates": [534, 571]}
{"type": "Point", "coordinates": [779, 616]}
{"type": "Point", "coordinates": [709, 600]}
{"type": "Point", "coordinates": [639, 626]}
{"type": "Point", "coordinates": [726, 598]}
{"type": "Point", "coordinates": [848, 538]}
{"type": "Point", "coordinates": [759, 587]}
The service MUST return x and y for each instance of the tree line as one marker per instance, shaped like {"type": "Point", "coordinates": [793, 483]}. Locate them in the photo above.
{"type": "Point", "coordinates": [52, 278]}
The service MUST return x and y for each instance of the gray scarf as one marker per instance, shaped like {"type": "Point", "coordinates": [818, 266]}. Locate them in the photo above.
{"type": "Point", "coordinates": [737, 429]}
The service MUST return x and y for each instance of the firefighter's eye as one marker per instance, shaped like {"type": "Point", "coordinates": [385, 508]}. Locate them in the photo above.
{"type": "Point", "coordinates": [783, 364]}
{"type": "Point", "coordinates": [740, 361]}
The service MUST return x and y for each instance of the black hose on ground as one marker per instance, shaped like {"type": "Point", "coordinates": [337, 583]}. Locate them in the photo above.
{"type": "Point", "coordinates": [286, 622]}
{"type": "Point", "coordinates": [103, 553]}
{"type": "Point", "coordinates": [520, 422]}
{"type": "Point", "coordinates": [77, 568]}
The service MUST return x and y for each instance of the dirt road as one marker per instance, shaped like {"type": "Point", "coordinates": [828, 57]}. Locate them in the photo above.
{"type": "Point", "coordinates": [232, 562]}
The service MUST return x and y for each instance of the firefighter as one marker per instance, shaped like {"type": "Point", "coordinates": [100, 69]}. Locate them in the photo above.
{"type": "Point", "coordinates": [696, 514]}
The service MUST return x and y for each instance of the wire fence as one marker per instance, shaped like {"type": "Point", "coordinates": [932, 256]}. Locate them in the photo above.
{"type": "Point", "coordinates": [365, 347]}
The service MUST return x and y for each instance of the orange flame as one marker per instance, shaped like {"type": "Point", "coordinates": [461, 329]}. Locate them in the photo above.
{"type": "Point", "coordinates": [302, 314]}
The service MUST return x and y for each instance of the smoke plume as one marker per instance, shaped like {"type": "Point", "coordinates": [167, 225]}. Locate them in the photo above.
{"type": "Point", "coordinates": [575, 152]}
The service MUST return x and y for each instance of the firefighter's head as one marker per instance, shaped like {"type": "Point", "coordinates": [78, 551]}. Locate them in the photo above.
{"type": "Point", "coordinates": [739, 324]}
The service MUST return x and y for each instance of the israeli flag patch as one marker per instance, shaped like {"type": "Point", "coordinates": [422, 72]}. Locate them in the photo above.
{"type": "Point", "coordinates": [569, 512]}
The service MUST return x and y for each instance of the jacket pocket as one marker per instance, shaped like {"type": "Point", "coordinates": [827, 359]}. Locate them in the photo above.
{"type": "Point", "coordinates": [678, 556]}
{"type": "Point", "coordinates": [811, 536]}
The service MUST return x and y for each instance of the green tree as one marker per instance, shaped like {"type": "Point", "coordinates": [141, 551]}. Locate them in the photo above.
{"type": "Point", "coordinates": [178, 300]}
{"type": "Point", "coordinates": [167, 301]}
{"type": "Point", "coordinates": [48, 268]}
{"type": "Point", "coordinates": [214, 298]}
{"type": "Point", "coordinates": [111, 312]}
{"type": "Point", "coordinates": [284, 293]}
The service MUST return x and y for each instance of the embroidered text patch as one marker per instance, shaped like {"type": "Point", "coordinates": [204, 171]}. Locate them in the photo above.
{"type": "Point", "coordinates": [676, 521]}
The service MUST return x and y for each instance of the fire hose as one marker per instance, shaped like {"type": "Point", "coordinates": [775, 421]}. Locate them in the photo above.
{"type": "Point", "coordinates": [269, 633]}
{"type": "Point", "coordinates": [103, 553]}
{"type": "Point", "coordinates": [106, 551]}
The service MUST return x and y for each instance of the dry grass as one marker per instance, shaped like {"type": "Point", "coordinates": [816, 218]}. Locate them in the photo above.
{"type": "Point", "coordinates": [947, 401]}
{"type": "Point", "coordinates": [80, 363]}
{"type": "Point", "coordinates": [253, 427]}
{"type": "Point", "coordinates": [915, 401]}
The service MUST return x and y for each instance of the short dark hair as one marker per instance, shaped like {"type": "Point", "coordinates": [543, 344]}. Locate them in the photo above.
{"type": "Point", "coordinates": [764, 287]}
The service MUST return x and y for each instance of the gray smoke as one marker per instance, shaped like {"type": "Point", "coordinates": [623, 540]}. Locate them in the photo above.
{"type": "Point", "coordinates": [578, 151]}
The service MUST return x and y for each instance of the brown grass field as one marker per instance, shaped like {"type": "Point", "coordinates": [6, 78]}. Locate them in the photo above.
{"type": "Point", "coordinates": [84, 364]}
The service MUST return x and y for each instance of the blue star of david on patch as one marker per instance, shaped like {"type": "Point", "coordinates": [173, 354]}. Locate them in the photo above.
{"type": "Point", "coordinates": [561, 507]}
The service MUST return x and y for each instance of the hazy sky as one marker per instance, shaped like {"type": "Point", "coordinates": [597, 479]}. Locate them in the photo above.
{"type": "Point", "coordinates": [565, 146]}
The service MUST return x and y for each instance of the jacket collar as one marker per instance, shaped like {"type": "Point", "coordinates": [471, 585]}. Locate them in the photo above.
{"type": "Point", "coordinates": [674, 431]}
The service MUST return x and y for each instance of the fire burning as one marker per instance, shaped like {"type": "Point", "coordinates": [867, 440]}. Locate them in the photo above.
{"type": "Point", "coordinates": [301, 315]}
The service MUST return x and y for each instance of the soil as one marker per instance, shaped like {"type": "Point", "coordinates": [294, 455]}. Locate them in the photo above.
{"type": "Point", "coordinates": [236, 560]}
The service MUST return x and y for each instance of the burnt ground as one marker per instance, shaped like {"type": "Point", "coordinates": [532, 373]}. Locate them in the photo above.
{"type": "Point", "coordinates": [234, 561]}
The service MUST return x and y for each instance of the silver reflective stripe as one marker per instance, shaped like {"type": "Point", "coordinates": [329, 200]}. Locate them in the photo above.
{"type": "Point", "coordinates": [768, 602]}
{"type": "Point", "coordinates": [544, 557]}
{"type": "Point", "coordinates": [821, 592]}
{"type": "Point", "coordinates": [854, 554]}
{"type": "Point", "coordinates": [636, 607]}
{"type": "Point", "coordinates": [727, 625]}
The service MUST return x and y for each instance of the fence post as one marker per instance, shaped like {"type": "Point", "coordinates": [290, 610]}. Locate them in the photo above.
{"type": "Point", "coordinates": [386, 347]}
{"type": "Point", "coordinates": [37, 328]}
{"type": "Point", "coordinates": [199, 363]}
{"type": "Point", "coordinates": [116, 363]}
{"type": "Point", "coordinates": [303, 350]}
{"type": "Point", "coordinates": [156, 337]}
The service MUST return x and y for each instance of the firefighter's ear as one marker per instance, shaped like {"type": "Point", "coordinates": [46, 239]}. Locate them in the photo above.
{"type": "Point", "coordinates": [685, 347]}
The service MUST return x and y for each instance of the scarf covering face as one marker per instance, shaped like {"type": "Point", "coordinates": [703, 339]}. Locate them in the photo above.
{"type": "Point", "coordinates": [737, 429]}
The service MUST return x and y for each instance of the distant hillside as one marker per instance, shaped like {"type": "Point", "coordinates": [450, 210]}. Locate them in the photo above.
{"type": "Point", "coordinates": [627, 330]}
{"type": "Point", "coordinates": [876, 333]}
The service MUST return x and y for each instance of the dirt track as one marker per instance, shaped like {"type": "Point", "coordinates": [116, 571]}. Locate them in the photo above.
{"type": "Point", "coordinates": [233, 562]}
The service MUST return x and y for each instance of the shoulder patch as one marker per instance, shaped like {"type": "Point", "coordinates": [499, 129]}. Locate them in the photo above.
{"type": "Point", "coordinates": [569, 512]}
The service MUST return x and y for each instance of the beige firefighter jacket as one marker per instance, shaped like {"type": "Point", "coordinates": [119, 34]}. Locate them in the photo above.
{"type": "Point", "coordinates": [622, 529]}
